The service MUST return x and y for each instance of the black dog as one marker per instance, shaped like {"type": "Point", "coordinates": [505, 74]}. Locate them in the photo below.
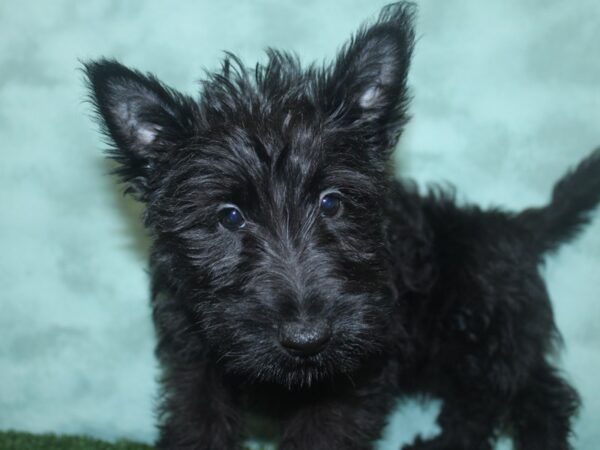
{"type": "Point", "coordinates": [293, 277]}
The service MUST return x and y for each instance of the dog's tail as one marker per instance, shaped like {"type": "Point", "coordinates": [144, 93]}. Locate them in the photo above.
{"type": "Point", "coordinates": [573, 200]}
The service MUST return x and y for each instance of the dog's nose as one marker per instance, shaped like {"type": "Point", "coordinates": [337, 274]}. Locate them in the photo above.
{"type": "Point", "coordinates": [304, 339]}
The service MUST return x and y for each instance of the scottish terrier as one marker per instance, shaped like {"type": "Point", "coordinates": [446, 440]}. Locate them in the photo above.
{"type": "Point", "coordinates": [293, 277]}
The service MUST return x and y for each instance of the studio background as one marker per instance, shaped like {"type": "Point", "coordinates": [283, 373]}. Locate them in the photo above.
{"type": "Point", "coordinates": [506, 98]}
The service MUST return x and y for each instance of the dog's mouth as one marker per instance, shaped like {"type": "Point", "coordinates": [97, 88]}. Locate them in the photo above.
{"type": "Point", "coordinates": [293, 371]}
{"type": "Point", "coordinates": [306, 363]}
{"type": "Point", "coordinates": [290, 370]}
{"type": "Point", "coordinates": [304, 373]}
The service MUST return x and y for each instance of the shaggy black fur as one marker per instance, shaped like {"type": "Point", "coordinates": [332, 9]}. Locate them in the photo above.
{"type": "Point", "coordinates": [293, 277]}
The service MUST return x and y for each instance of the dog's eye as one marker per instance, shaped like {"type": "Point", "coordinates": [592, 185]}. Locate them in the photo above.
{"type": "Point", "coordinates": [231, 218]}
{"type": "Point", "coordinates": [330, 205]}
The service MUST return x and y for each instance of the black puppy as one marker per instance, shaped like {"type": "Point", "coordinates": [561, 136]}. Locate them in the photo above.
{"type": "Point", "coordinates": [293, 277]}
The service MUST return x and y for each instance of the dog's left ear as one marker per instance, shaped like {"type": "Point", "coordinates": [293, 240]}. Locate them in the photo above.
{"type": "Point", "coordinates": [367, 84]}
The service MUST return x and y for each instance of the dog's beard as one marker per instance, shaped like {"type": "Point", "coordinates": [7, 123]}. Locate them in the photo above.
{"type": "Point", "coordinates": [267, 362]}
{"type": "Point", "coordinates": [250, 349]}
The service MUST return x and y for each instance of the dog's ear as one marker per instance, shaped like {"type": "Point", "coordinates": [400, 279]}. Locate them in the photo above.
{"type": "Point", "coordinates": [141, 116]}
{"type": "Point", "coordinates": [367, 83]}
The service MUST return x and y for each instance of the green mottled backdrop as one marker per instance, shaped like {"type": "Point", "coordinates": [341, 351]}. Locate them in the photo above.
{"type": "Point", "coordinates": [506, 96]}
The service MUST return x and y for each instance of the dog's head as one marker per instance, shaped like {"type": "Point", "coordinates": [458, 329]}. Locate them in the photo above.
{"type": "Point", "coordinates": [264, 198]}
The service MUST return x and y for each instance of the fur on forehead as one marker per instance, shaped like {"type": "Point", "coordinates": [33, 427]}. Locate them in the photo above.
{"type": "Point", "coordinates": [269, 95]}
{"type": "Point", "coordinates": [278, 109]}
{"type": "Point", "coordinates": [275, 110]}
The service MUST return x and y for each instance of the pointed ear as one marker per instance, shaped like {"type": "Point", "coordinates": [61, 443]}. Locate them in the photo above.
{"type": "Point", "coordinates": [141, 116]}
{"type": "Point", "coordinates": [368, 80]}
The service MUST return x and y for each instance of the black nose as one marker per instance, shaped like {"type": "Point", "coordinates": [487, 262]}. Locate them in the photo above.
{"type": "Point", "coordinates": [303, 338]}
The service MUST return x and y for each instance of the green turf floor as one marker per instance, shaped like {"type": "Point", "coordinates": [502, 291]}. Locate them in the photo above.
{"type": "Point", "coordinates": [13, 440]}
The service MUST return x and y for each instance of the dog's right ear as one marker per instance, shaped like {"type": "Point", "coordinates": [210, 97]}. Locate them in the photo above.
{"type": "Point", "coordinates": [142, 117]}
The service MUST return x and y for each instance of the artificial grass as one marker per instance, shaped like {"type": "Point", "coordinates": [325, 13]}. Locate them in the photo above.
{"type": "Point", "coordinates": [14, 440]}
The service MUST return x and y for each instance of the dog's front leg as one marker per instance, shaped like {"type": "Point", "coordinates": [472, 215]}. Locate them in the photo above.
{"type": "Point", "coordinates": [351, 423]}
{"type": "Point", "coordinates": [198, 411]}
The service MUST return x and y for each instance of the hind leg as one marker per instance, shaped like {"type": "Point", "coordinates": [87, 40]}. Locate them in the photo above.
{"type": "Point", "coordinates": [542, 411]}
{"type": "Point", "coordinates": [467, 423]}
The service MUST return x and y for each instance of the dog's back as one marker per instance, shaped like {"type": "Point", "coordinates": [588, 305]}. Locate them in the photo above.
{"type": "Point", "coordinates": [479, 313]}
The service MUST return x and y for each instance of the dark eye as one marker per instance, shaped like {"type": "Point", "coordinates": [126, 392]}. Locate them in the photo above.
{"type": "Point", "coordinates": [330, 205]}
{"type": "Point", "coordinates": [231, 218]}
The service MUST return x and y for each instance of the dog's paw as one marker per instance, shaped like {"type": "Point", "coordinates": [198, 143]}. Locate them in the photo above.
{"type": "Point", "coordinates": [441, 442]}
{"type": "Point", "coordinates": [424, 444]}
